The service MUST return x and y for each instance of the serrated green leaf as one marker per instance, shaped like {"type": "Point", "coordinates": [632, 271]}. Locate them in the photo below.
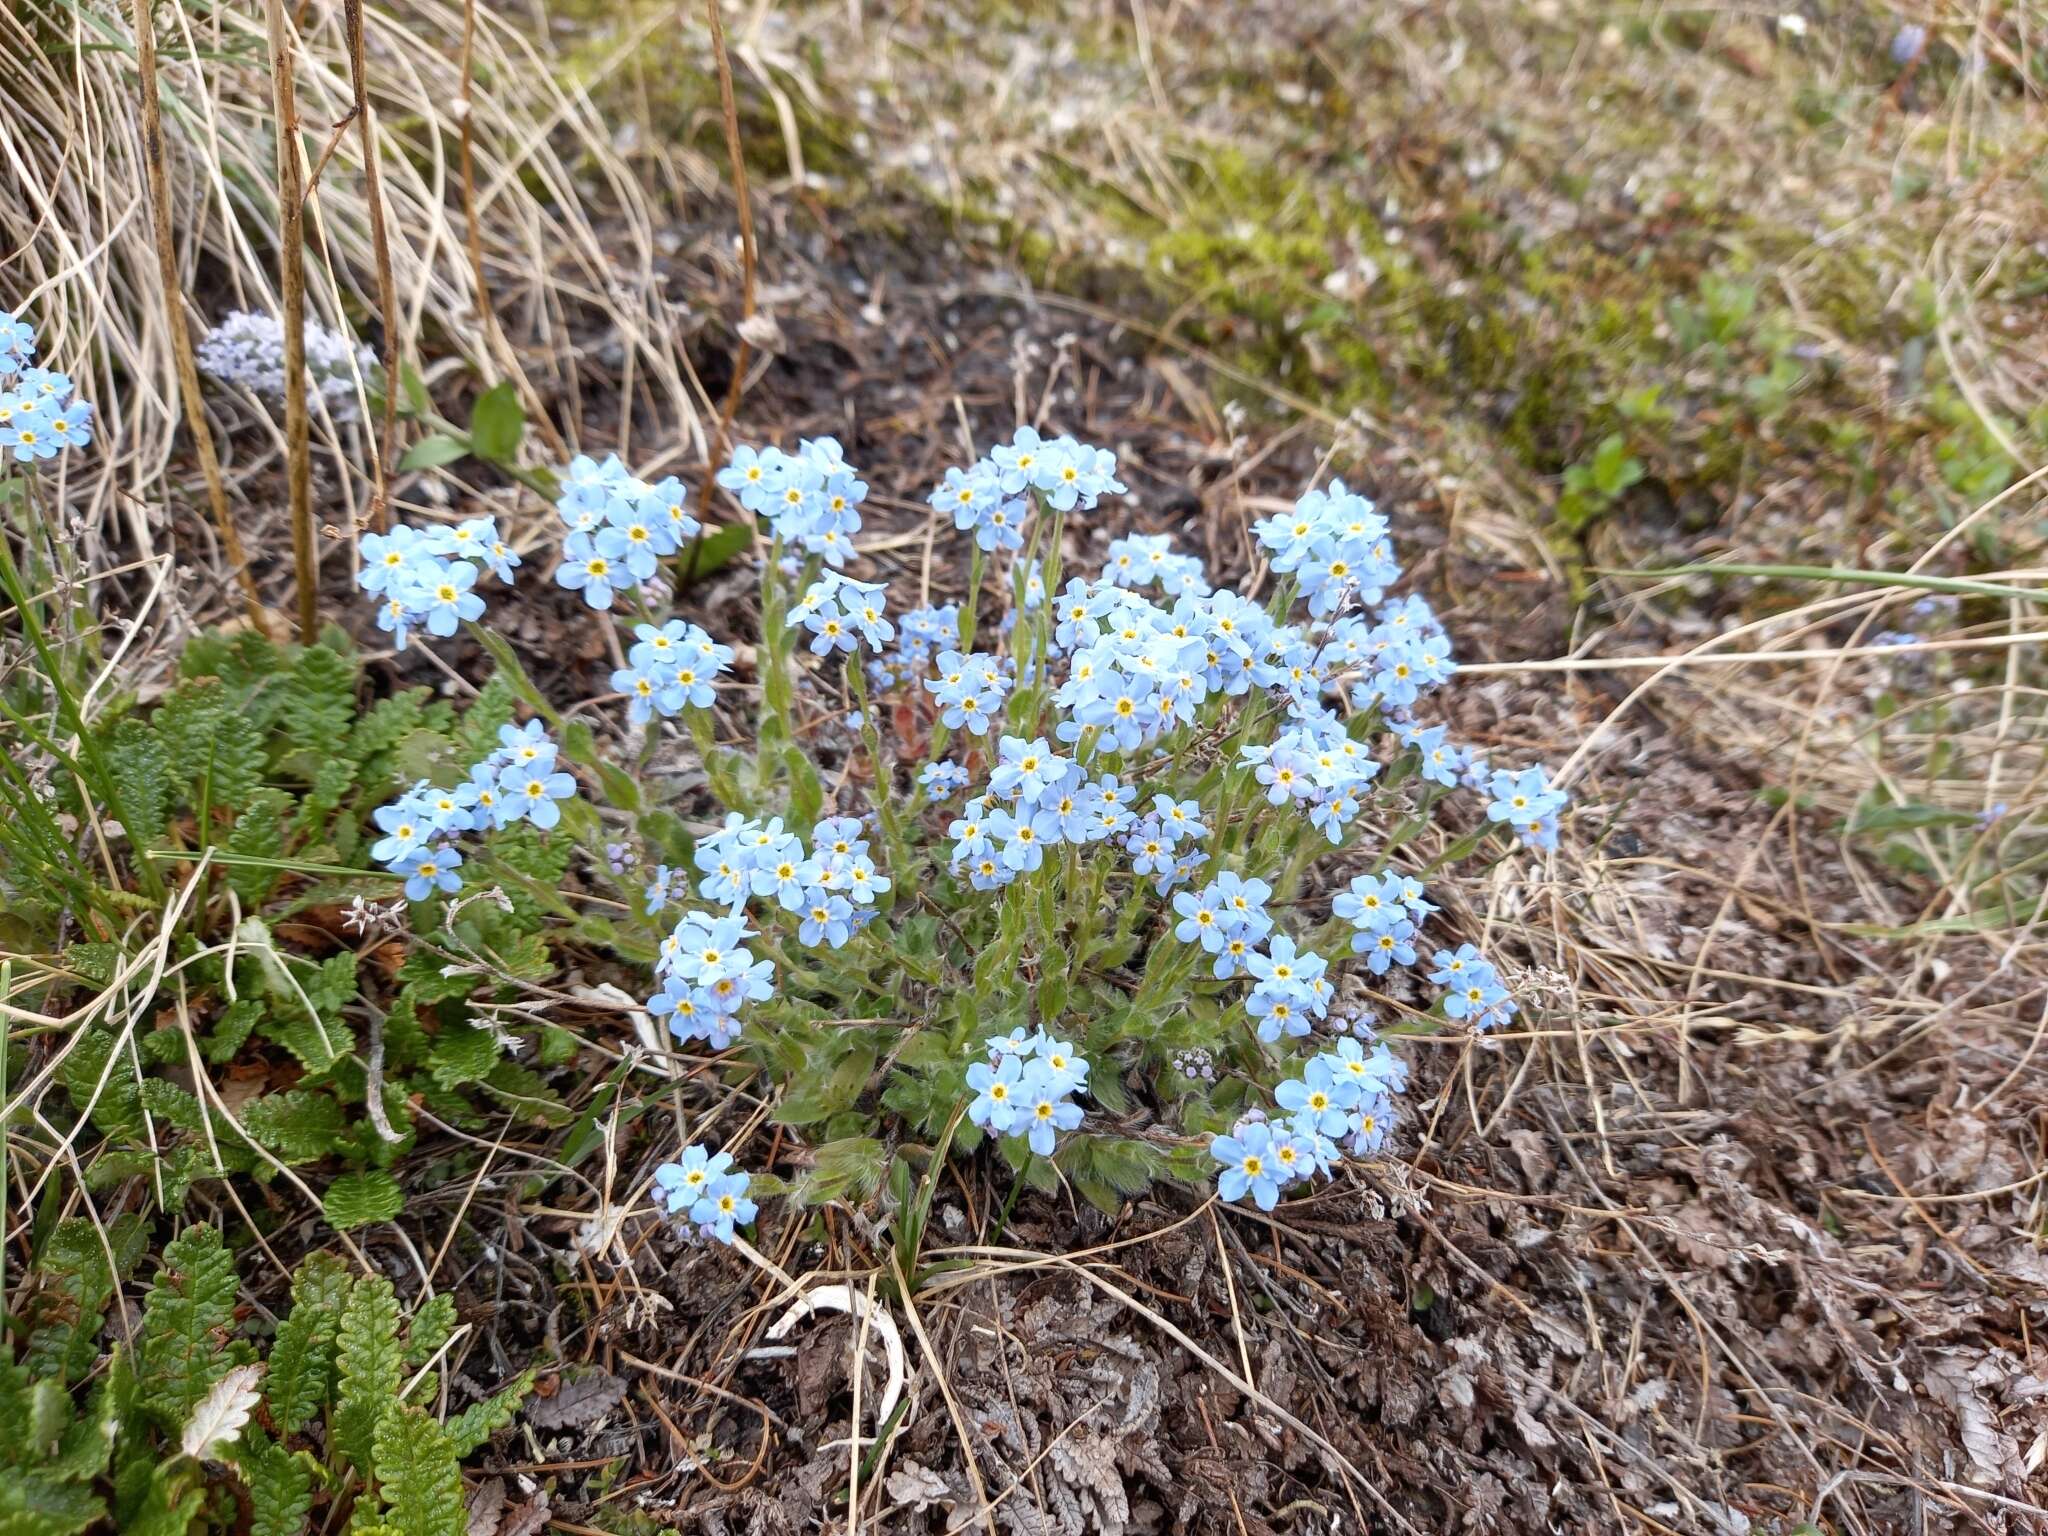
{"type": "Point", "coordinates": [357, 1199]}
{"type": "Point", "coordinates": [299, 1126]}
{"type": "Point", "coordinates": [432, 1326]}
{"type": "Point", "coordinates": [479, 1421]}
{"type": "Point", "coordinates": [366, 1345]}
{"type": "Point", "coordinates": [185, 1323]}
{"type": "Point", "coordinates": [419, 1474]}
{"type": "Point", "coordinates": [302, 1357]}
{"type": "Point", "coordinates": [280, 1486]}
{"type": "Point", "coordinates": [318, 700]}
{"type": "Point", "coordinates": [463, 1055]}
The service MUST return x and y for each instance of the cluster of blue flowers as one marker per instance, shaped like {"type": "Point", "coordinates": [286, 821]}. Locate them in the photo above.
{"type": "Point", "coordinates": [994, 496]}
{"type": "Point", "coordinates": [843, 614]}
{"type": "Point", "coordinates": [670, 666]}
{"type": "Point", "coordinates": [1035, 800]}
{"type": "Point", "coordinates": [1527, 802]}
{"type": "Point", "coordinates": [618, 528]}
{"type": "Point", "coordinates": [969, 689]}
{"type": "Point", "coordinates": [426, 577]}
{"type": "Point", "coordinates": [706, 973]}
{"type": "Point", "coordinates": [1026, 1088]}
{"type": "Point", "coordinates": [1342, 1100]}
{"type": "Point", "coordinates": [705, 1189]}
{"type": "Point", "coordinates": [1472, 987]}
{"type": "Point", "coordinates": [1145, 650]}
{"type": "Point", "coordinates": [518, 781]}
{"type": "Point", "coordinates": [39, 419]}
{"type": "Point", "coordinates": [811, 498]}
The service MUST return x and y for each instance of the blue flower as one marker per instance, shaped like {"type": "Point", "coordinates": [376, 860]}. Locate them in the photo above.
{"type": "Point", "coordinates": [686, 1180]}
{"type": "Point", "coordinates": [1248, 1166]}
{"type": "Point", "coordinates": [428, 870]}
{"type": "Point", "coordinates": [826, 918]}
{"type": "Point", "coordinates": [534, 793]}
{"type": "Point", "coordinates": [724, 1206]}
{"type": "Point", "coordinates": [998, 1094]}
{"type": "Point", "coordinates": [1318, 1098]}
{"type": "Point", "coordinates": [586, 569]}
{"type": "Point", "coordinates": [1045, 1112]}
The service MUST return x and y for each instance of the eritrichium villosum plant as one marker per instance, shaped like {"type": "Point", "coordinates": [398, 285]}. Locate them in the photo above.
{"type": "Point", "coordinates": [1030, 867]}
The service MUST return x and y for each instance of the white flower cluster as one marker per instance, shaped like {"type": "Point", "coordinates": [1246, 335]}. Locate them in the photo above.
{"type": "Point", "coordinates": [248, 349]}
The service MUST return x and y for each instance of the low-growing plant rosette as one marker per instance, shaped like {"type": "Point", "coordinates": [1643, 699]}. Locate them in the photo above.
{"type": "Point", "coordinates": [1039, 867]}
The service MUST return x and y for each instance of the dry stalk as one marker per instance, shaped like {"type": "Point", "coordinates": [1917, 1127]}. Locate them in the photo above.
{"type": "Point", "coordinates": [291, 265]}
{"type": "Point", "coordinates": [194, 405]}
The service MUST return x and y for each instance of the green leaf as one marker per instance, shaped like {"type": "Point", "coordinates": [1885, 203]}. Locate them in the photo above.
{"type": "Point", "coordinates": [419, 1474]}
{"type": "Point", "coordinates": [432, 452]}
{"type": "Point", "coordinates": [280, 1486]}
{"type": "Point", "coordinates": [185, 1323]}
{"type": "Point", "coordinates": [319, 700]}
{"type": "Point", "coordinates": [432, 1326]}
{"type": "Point", "coordinates": [302, 1357]}
{"type": "Point", "coordinates": [297, 1125]}
{"type": "Point", "coordinates": [357, 1199]}
{"type": "Point", "coordinates": [850, 1169]}
{"type": "Point", "coordinates": [366, 1344]}
{"type": "Point", "coordinates": [462, 1054]}
{"type": "Point", "coordinates": [496, 424]}
{"type": "Point", "coordinates": [715, 551]}
{"type": "Point", "coordinates": [479, 1421]}
{"type": "Point", "coordinates": [1897, 818]}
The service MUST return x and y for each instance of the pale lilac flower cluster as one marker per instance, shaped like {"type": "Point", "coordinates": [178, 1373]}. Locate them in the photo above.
{"type": "Point", "coordinates": [425, 577]}
{"type": "Point", "coordinates": [705, 1189]}
{"type": "Point", "coordinates": [248, 350]}
{"type": "Point", "coordinates": [1026, 1087]}
{"type": "Point", "coordinates": [39, 419]}
{"type": "Point", "coordinates": [518, 781]}
{"type": "Point", "coordinates": [618, 528]}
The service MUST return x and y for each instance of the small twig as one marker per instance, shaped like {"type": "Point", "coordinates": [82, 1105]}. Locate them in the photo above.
{"type": "Point", "coordinates": [380, 244]}
{"type": "Point", "coordinates": [291, 263]}
{"type": "Point", "coordinates": [736, 152]}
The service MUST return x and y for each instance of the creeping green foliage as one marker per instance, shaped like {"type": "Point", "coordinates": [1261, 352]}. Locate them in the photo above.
{"type": "Point", "coordinates": [119, 1453]}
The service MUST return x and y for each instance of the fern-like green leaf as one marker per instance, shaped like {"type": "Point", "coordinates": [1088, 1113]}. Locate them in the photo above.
{"type": "Point", "coordinates": [371, 1362]}
{"type": "Point", "coordinates": [258, 834]}
{"type": "Point", "coordinates": [141, 769]}
{"type": "Point", "coordinates": [479, 1421]}
{"type": "Point", "coordinates": [432, 1325]}
{"type": "Point", "coordinates": [280, 1486]}
{"type": "Point", "coordinates": [187, 722]}
{"type": "Point", "coordinates": [381, 726]}
{"type": "Point", "coordinates": [185, 1323]}
{"type": "Point", "coordinates": [234, 768]}
{"type": "Point", "coordinates": [463, 1055]}
{"type": "Point", "coordinates": [302, 1358]}
{"type": "Point", "coordinates": [419, 1474]}
{"type": "Point", "coordinates": [318, 701]}
{"type": "Point", "coordinates": [298, 1125]}
{"type": "Point", "coordinates": [357, 1199]}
